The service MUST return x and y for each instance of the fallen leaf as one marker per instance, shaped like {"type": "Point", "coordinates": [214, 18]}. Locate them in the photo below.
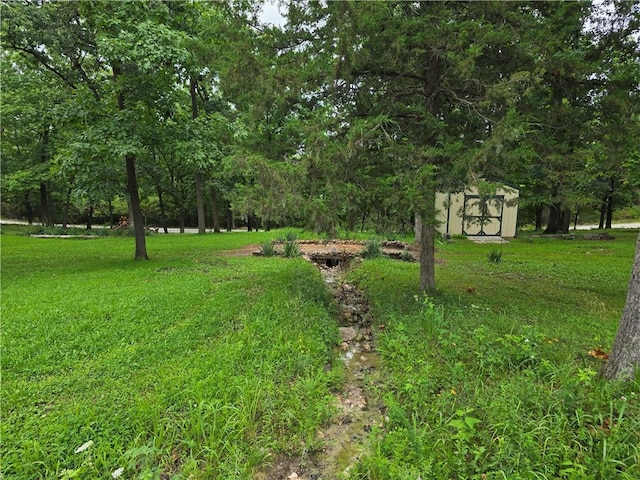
{"type": "Point", "coordinates": [599, 354]}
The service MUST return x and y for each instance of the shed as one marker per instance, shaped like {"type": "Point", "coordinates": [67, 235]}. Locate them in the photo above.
{"type": "Point", "coordinates": [472, 214]}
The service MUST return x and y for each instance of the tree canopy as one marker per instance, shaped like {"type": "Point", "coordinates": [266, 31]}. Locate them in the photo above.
{"type": "Point", "coordinates": [352, 114]}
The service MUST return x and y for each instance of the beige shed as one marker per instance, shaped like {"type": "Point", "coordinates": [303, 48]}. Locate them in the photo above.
{"type": "Point", "coordinates": [469, 213]}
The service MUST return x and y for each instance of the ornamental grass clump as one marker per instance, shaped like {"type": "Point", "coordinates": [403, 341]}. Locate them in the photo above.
{"type": "Point", "coordinates": [267, 248]}
{"type": "Point", "coordinates": [291, 249]}
{"type": "Point", "coordinates": [372, 248]}
{"type": "Point", "coordinates": [495, 256]}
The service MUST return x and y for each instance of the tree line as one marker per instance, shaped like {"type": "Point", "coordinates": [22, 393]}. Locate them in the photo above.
{"type": "Point", "coordinates": [352, 114]}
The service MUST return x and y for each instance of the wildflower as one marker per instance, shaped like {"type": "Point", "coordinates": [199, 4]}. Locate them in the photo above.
{"type": "Point", "coordinates": [117, 473]}
{"type": "Point", "coordinates": [453, 391]}
{"type": "Point", "coordinates": [84, 446]}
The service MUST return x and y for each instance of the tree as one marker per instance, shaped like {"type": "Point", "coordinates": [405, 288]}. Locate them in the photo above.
{"type": "Point", "coordinates": [625, 354]}
{"type": "Point", "coordinates": [415, 89]}
{"type": "Point", "coordinates": [117, 59]}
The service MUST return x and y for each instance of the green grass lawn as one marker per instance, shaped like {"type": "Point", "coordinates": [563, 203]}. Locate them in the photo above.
{"type": "Point", "coordinates": [198, 365]}
{"type": "Point", "coordinates": [190, 363]}
{"type": "Point", "coordinates": [491, 378]}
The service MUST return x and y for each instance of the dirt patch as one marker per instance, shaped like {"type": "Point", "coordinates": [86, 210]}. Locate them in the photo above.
{"type": "Point", "coordinates": [332, 253]}
{"type": "Point", "coordinates": [245, 251]}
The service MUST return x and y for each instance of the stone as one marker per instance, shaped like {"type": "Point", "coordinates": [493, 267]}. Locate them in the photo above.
{"type": "Point", "coordinates": [344, 346]}
{"type": "Point", "coordinates": [293, 476]}
{"type": "Point", "coordinates": [348, 333]}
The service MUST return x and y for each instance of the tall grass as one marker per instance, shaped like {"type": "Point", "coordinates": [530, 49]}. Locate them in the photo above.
{"type": "Point", "coordinates": [191, 364]}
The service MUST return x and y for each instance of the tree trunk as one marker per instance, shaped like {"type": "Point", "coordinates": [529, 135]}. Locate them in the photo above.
{"type": "Point", "coordinates": [625, 354]}
{"type": "Point", "coordinates": [181, 221]}
{"type": "Point", "coordinates": [110, 214]}
{"type": "Point", "coordinates": [163, 214]}
{"type": "Point", "coordinates": [539, 213]}
{"type": "Point", "coordinates": [609, 211]}
{"type": "Point", "coordinates": [215, 210]}
{"type": "Point", "coordinates": [193, 85]}
{"type": "Point", "coordinates": [249, 222]}
{"type": "Point", "coordinates": [29, 209]}
{"type": "Point", "coordinates": [555, 220]}
{"type": "Point", "coordinates": [132, 187]}
{"type": "Point", "coordinates": [417, 228]}
{"type": "Point", "coordinates": [427, 257]}
{"type": "Point", "coordinates": [45, 208]}
{"type": "Point", "coordinates": [229, 218]}
{"type": "Point", "coordinates": [200, 203]}
{"type": "Point", "coordinates": [89, 217]}
{"type": "Point", "coordinates": [136, 209]}
{"type": "Point", "coordinates": [565, 220]}
{"type": "Point", "coordinates": [67, 207]}
{"type": "Point", "coordinates": [603, 213]}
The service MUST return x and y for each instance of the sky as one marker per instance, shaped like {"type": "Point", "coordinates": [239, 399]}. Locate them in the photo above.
{"type": "Point", "coordinates": [271, 13]}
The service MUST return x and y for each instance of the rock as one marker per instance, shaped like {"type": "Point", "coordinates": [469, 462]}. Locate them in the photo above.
{"type": "Point", "coordinates": [348, 333]}
{"type": "Point", "coordinates": [344, 346]}
{"type": "Point", "coordinates": [293, 476]}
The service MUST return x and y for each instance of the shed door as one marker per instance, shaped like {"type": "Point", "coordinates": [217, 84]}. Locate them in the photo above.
{"type": "Point", "coordinates": [482, 217]}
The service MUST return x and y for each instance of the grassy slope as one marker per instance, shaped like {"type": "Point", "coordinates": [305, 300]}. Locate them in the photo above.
{"type": "Point", "coordinates": [492, 378]}
{"type": "Point", "coordinates": [190, 363]}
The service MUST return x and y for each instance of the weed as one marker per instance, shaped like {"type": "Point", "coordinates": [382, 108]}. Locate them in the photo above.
{"type": "Point", "coordinates": [494, 256]}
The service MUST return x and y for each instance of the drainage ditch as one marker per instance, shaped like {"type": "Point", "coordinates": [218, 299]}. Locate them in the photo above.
{"type": "Point", "coordinates": [345, 439]}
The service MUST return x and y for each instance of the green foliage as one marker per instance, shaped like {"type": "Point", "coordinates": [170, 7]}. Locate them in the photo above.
{"type": "Point", "coordinates": [291, 249]}
{"type": "Point", "coordinates": [495, 256]}
{"type": "Point", "coordinates": [267, 248]}
{"type": "Point", "coordinates": [492, 376]}
{"type": "Point", "coordinates": [372, 248]}
{"type": "Point", "coordinates": [290, 236]}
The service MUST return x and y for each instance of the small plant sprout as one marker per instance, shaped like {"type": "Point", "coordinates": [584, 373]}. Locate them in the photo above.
{"type": "Point", "coordinates": [495, 256]}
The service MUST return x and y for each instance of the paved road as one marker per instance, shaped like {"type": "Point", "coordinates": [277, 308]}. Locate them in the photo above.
{"type": "Point", "coordinates": [615, 225]}
{"type": "Point", "coordinates": [195, 230]}
{"type": "Point", "coordinates": [8, 221]}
